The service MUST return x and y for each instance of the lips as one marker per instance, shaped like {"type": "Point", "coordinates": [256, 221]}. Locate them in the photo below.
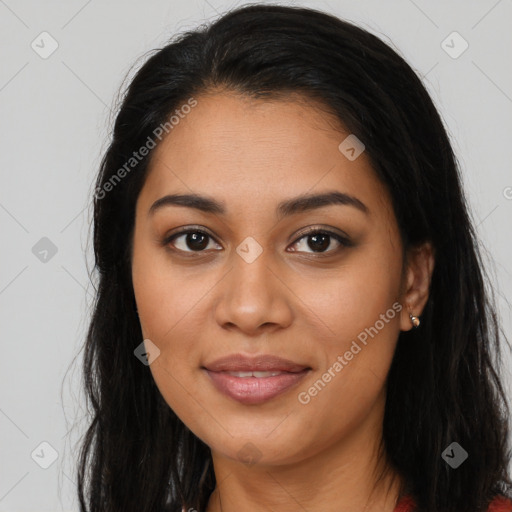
{"type": "Point", "coordinates": [258, 375]}
{"type": "Point", "coordinates": [260, 363]}
{"type": "Point", "coordinates": [254, 380]}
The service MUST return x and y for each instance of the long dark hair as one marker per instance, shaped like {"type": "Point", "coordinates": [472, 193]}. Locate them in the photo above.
{"type": "Point", "coordinates": [444, 382]}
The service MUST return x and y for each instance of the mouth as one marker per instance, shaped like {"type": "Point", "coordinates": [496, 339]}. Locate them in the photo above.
{"type": "Point", "coordinates": [254, 380]}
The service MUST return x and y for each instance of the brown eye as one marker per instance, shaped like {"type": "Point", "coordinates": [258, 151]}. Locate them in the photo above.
{"type": "Point", "coordinates": [318, 241]}
{"type": "Point", "coordinates": [190, 240]}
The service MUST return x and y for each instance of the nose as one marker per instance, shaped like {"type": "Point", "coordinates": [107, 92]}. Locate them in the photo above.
{"type": "Point", "coordinates": [253, 298]}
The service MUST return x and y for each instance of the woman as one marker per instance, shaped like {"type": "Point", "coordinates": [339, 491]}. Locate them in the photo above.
{"type": "Point", "coordinates": [292, 312]}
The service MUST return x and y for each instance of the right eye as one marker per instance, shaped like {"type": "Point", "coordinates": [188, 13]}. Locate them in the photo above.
{"type": "Point", "coordinates": [189, 240]}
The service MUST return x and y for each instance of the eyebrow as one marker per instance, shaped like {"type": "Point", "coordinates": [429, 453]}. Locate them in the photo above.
{"type": "Point", "coordinates": [284, 209]}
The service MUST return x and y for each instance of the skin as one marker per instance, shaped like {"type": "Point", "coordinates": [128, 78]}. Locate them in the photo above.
{"type": "Point", "coordinates": [290, 301]}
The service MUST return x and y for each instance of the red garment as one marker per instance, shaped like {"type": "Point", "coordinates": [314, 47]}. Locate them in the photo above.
{"type": "Point", "coordinates": [499, 504]}
{"type": "Point", "coordinates": [406, 504]}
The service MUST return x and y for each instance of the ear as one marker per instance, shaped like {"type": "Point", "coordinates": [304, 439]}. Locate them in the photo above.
{"type": "Point", "coordinates": [416, 284]}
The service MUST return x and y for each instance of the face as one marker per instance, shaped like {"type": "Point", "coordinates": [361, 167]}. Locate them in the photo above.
{"type": "Point", "coordinates": [256, 269]}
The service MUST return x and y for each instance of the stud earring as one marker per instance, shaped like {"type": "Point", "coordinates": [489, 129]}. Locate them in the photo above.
{"type": "Point", "coordinates": [415, 321]}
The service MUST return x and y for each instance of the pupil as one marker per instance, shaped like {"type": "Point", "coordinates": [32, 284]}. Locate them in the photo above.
{"type": "Point", "coordinates": [324, 244]}
{"type": "Point", "coordinates": [197, 241]}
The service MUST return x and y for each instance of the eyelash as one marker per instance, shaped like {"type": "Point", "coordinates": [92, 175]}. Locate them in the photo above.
{"type": "Point", "coordinates": [343, 241]}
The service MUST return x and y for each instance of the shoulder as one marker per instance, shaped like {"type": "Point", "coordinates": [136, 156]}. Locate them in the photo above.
{"type": "Point", "coordinates": [500, 504]}
{"type": "Point", "coordinates": [406, 504]}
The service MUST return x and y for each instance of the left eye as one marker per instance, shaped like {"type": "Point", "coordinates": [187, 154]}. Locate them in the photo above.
{"type": "Point", "coordinates": [319, 241]}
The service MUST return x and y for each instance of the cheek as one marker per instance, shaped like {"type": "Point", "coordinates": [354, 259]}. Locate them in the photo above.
{"type": "Point", "coordinates": [163, 295]}
{"type": "Point", "coordinates": [359, 305]}
{"type": "Point", "coordinates": [165, 320]}
{"type": "Point", "coordinates": [352, 297]}
{"type": "Point", "coordinates": [171, 312]}
{"type": "Point", "coordinates": [171, 320]}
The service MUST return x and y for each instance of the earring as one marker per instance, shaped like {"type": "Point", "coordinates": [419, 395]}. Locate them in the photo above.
{"type": "Point", "coordinates": [415, 321]}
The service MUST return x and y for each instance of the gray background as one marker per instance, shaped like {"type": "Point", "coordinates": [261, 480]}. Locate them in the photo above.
{"type": "Point", "coordinates": [55, 116]}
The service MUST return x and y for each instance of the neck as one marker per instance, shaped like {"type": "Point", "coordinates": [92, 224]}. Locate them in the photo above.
{"type": "Point", "coordinates": [351, 474]}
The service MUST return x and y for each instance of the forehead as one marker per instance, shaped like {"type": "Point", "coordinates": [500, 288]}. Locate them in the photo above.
{"type": "Point", "coordinates": [241, 149]}
{"type": "Point", "coordinates": [230, 125]}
